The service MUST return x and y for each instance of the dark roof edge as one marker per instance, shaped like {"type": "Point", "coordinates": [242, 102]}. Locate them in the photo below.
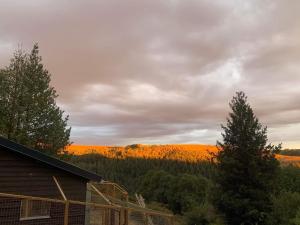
{"type": "Point", "coordinates": [51, 161]}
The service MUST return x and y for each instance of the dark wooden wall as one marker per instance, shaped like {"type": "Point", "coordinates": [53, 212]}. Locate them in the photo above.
{"type": "Point", "coordinates": [25, 176]}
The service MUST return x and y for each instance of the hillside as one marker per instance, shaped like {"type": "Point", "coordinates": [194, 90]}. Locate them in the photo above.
{"type": "Point", "coordinates": [181, 152]}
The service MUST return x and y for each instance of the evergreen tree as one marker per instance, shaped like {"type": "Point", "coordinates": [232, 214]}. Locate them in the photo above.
{"type": "Point", "coordinates": [246, 167]}
{"type": "Point", "coordinates": [29, 113]}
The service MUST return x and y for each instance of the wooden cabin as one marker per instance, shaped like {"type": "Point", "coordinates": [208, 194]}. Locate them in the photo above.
{"type": "Point", "coordinates": [27, 172]}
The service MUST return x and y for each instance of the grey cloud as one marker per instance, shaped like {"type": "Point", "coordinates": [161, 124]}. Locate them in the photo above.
{"type": "Point", "coordinates": [162, 71]}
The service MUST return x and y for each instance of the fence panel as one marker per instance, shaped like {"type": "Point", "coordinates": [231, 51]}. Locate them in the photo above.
{"type": "Point", "coordinates": [17, 211]}
{"type": "Point", "coordinates": [28, 210]}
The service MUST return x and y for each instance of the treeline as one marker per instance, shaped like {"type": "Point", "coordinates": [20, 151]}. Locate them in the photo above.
{"type": "Point", "coordinates": [177, 152]}
{"type": "Point", "coordinates": [290, 152]}
{"type": "Point", "coordinates": [182, 152]}
{"type": "Point", "coordinates": [193, 196]}
{"type": "Point", "coordinates": [130, 171]}
{"type": "Point", "coordinates": [187, 188]}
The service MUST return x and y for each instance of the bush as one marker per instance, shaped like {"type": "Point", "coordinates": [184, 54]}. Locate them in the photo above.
{"type": "Point", "coordinates": [186, 192]}
{"type": "Point", "coordinates": [289, 179]}
{"type": "Point", "coordinates": [296, 220]}
{"type": "Point", "coordinates": [203, 215]}
{"type": "Point", "coordinates": [286, 209]}
{"type": "Point", "coordinates": [180, 193]}
{"type": "Point", "coordinates": [156, 185]}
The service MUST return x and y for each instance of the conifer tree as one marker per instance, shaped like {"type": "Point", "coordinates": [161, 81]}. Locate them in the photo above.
{"type": "Point", "coordinates": [29, 113]}
{"type": "Point", "coordinates": [246, 167]}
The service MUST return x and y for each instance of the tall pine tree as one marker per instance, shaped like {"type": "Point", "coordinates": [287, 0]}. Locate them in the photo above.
{"type": "Point", "coordinates": [28, 111]}
{"type": "Point", "coordinates": [246, 167]}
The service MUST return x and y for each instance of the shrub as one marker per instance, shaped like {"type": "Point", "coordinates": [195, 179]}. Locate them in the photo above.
{"type": "Point", "coordinates": [203, 215]}
{"type": "Point", "coordinates": [286, 209]}
{"type": "Point", "coordinates": [289, 179]}
{"type": "Point", "coordinates": [186, 192]}
{"type": "Point", "coordinates": [180, 193]}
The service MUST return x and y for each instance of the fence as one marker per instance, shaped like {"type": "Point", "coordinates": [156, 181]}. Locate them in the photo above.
{"type": "Point", "coordinates": [112, 189]}
{"type": "Point", "coordinates": [29, 210]}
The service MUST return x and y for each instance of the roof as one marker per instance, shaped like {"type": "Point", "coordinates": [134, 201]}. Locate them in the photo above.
{"type": "Point", "coordinates": [45, 159]}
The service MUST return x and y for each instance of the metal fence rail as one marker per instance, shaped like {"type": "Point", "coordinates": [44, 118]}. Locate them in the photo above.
{"type": "Point", "coordinates": [30, 210]}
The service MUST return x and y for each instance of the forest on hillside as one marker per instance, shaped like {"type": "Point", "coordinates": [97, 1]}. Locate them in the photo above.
{"type": "Point", "coordinates": [177, 152]}
{"type": "Point", "coordinates": [181, 152]}
{"type": "Point", "coordinates": [290, 152]}
{"type": "Point", "coordinates": [186, 188]}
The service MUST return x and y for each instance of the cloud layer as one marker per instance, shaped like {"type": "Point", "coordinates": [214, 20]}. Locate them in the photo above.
{"type": "Point", "coordinates": [138, 71]}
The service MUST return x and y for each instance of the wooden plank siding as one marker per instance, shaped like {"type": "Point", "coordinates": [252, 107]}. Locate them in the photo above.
{"type": "Point", "coordinates": [25, 176]}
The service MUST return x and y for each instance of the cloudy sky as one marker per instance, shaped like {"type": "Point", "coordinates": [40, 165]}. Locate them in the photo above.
{"type": "Point", "coordinates": [163, 71]}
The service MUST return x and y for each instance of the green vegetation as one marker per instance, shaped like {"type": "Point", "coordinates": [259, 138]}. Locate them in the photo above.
{"type": "Point", "coordinates": [181, 192]}
{"type": "Point", "coordinates": [290, 152]}
{"type": "Point", "coordinates": [154, 179]}
{"type": "Point", "coordinates": [289, 179]}
{"type": "Point", "coordinates": [286, 208]}
{"type": "Point", "coordinates": [182, 187]}
{"type": "Point", "coordinates": [204, 214]}
{"type": "Point", "coordinates": [130, 171]}
{"type": "Point", "coordinates": [28, 112]}
{"type": "Point", "coordinates": [246, 167]}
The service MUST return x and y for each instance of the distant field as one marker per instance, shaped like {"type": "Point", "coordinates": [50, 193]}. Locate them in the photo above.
{"type": "Point", "coordinates": [181, 152]}
{"type": "Point", "coordinates": [286, 159]}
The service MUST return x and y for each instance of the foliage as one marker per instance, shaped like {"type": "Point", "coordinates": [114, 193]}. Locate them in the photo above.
{"type": "Point", "coordinates": [204, 214]}
{"type": "Point", "coordinates": [180, 152]}
{"type": "Point", "coordinates": [186, 192]}
{"type": "Point", "coordinates": [130, 171]}
{"type": "Point", "coordinates": [246, 167]}
{"type": "Point", "coordinates": [180, 192]}
{"type": "Point", "coordinates": [28, 111]}
{"type": "Point", "coordinates": [289, 179]}
{"type": "Point", "coordinates": [296, 220]}
{"type": "Point", "coordinates": [156, 186]}
{"type": "Point", "coordinates": [286, 208]}
{"type": "Point", "coordinates": [290, 152]}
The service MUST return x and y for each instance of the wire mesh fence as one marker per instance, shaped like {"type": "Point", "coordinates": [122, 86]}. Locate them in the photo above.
{"type": "Point", "coordinates": [26, 211]}
{"type": "Point", "coordinates": [112, 190]}
{"type": "Point", "coordinates": [29, 210]}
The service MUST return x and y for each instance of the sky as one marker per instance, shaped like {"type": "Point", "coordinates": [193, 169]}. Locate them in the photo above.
{"type": "Point", "coordinates": [163, 71]}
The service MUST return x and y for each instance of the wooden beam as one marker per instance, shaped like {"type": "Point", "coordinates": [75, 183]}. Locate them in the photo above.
{"type": "Point", "coordinates": [126, 216]}
{"type": "Point", "coordinates": [66, 217]}
{"type": "Point", "coordinates": [60, 189]}
{"type": "Point", "coordinates": [149, 211]}
{"type": "Point", "coordinates": [172, 220]}
{"type": "Point", "coordinates": [102, 195]}
{"type": "Point", "coordinates": [30, 197]}
{"type": "Point", "coordinates": [115, 185]}
{"type": "Point", "coordinates": [26, 203]}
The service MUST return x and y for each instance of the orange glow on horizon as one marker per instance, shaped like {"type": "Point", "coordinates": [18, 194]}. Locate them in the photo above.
{"type": "Point", "coordinates": [180, 152]}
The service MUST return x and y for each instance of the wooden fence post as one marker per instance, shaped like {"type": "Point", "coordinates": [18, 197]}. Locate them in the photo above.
{"type": "Point", "coordinates": [66, 218]}
{"type": "Point", "coordinates": [172, 220]}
